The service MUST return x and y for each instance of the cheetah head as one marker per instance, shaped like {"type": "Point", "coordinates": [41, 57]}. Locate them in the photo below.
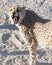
{"type": "Point", "coordinates": [16, 14]}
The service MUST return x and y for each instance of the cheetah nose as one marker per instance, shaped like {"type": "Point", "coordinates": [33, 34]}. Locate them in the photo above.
{"type": "Point", "coordinates": [13, 13]}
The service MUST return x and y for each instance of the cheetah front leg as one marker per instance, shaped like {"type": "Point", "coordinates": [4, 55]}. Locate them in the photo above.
{"type": "Point", "coordinates": [30, 40]}
{"type": "Point", "coordinates": [32, 46]}
{"type": "Point", "coordinates": [32, 54]}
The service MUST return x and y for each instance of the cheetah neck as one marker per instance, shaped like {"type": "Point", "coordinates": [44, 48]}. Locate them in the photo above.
{"type": "Point", "coordinates": [27, 21]}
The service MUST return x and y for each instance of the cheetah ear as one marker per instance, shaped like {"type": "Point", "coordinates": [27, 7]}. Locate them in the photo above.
{"type": "Point", "coordinates": [21, 8]}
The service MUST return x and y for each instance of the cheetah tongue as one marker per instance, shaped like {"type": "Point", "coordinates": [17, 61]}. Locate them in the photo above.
{"type": "Point", "coordinates": [15, 19]}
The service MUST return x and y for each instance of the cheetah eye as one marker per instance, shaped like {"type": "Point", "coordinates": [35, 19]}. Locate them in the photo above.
{"type": "Point", "coordinates": [10, 9]}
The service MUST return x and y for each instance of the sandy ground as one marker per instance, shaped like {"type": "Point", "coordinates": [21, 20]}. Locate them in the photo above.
{"type": "Point", "coordinates": [12, 54]}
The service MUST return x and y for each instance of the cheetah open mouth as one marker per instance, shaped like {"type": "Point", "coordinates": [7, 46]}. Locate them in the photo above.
{"type": "Point", "coordinates": [15, 19]}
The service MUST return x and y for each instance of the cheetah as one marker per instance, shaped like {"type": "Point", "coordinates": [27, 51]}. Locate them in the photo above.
{"type": "Point", "coordinates": [33, 29]}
